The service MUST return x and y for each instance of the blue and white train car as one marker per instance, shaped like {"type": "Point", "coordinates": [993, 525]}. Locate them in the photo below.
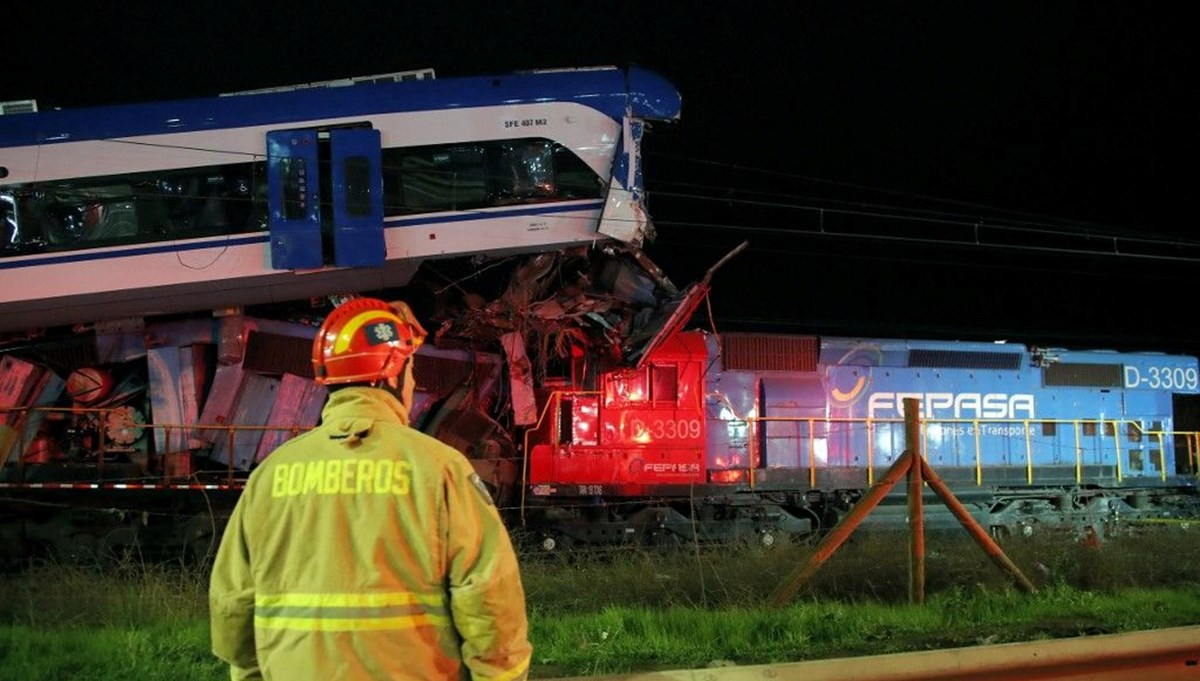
{"type": "Point", "coordinates": [134, 210]}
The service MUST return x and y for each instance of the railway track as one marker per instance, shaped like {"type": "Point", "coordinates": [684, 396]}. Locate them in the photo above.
{"type": "Point", "coordinates": [1157, 655]}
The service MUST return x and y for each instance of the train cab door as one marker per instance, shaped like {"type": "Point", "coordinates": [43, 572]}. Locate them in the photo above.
{"type": "Point", "coordinates": [794, 431]}
{"type": "Point", "coordinates": [325, 198]}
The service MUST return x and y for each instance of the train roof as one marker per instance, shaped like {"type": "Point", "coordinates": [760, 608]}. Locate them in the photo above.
{"type": "Point", "coordinates": [1000, 347]}
{"type": "Point", "coordinates": [612, 90]}
{"type": "Point", "coordinates": [896, 344]}
{"type": "Point", "coordinates": [833, 350]}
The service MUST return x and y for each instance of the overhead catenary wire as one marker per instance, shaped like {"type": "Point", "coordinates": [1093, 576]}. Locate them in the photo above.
{"type": "Point", "coordinates": [998, 212]}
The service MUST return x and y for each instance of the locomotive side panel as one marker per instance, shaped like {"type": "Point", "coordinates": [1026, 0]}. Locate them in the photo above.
{"type": "Point", "coordinates": [1032, 439]}
{"type": "Point", "coordinates": [646, 427]}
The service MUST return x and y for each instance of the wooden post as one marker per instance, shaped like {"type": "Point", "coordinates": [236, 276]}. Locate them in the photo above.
{"type": "Point", "coordinates": [912, 463]}
{"type": "Point", "coordinates": [990, 547]}
{"type": "Point", "coordinates": [916, 506]}
{"type": "Point", "coordinates": [841, 532]}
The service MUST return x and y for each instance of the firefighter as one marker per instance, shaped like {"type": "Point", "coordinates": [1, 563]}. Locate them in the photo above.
{"type": "Point", "coordinates": [365, 549]}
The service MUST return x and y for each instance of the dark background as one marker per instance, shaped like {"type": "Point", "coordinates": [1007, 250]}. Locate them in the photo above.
{"type": "Point", "coordinates": [958, 170]}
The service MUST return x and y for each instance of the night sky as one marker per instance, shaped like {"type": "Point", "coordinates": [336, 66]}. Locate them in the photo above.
{"type": "Point", "coordinates": [958, 170]}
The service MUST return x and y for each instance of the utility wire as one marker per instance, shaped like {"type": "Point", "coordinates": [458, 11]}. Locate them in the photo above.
{"type": "Point", "coordinates": [1037, 218]}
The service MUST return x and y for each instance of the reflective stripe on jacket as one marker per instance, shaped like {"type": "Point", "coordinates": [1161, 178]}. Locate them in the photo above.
{"type": "Point", "coordinates": [365, 549]}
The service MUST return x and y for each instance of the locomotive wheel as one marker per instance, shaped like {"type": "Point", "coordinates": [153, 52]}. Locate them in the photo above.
{"type": "Point", "coordinates": [554, 543]}
{"type": "Point", "coordinates": [767, 539]}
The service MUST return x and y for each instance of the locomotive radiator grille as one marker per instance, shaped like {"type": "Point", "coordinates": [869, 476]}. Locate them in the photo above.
{"type": "Point", "coordinates": [1083, 375]}
{"type": "Point", "coordinates": [763, 352]}
{"type": "Point", "coordinates": [964, 359]}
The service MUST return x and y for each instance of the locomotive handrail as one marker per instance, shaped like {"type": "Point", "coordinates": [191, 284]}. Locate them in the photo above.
{"type": "Point", "coordinates": [1106, 428]}
{"type": "Point", "coordinates": [554, 398]}
{"type": "Point", "coordinates": [102, 449]}
{"type": "Point", "coordinates": [1191, 438]}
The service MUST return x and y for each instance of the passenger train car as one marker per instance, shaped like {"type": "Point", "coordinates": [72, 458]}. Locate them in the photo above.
{"type": "Point", "coordinates": [132, 210]}
{"type": "Point", "coordinates": [762, 436]}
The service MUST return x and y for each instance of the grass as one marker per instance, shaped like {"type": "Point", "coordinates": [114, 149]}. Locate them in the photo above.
{"type": "Point", "coordinates": [631, 610]}
{"type": "Point", "coordinates": [623, 639]}
{"type": "Point", "coordinates": [150, 651]}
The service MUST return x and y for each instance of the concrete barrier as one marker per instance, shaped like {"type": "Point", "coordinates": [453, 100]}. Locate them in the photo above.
{"type": "Point", "coordinates": [1156, 655]}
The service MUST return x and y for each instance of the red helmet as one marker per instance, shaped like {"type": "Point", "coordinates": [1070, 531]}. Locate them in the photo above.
{"type": "Point", "coordinates": [365, 340]}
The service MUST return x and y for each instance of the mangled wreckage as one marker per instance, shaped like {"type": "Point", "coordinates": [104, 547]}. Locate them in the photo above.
{"type": "Point", "coordinates": [145, 429]}
{"type": "Point", "coordinates": [152, 349]}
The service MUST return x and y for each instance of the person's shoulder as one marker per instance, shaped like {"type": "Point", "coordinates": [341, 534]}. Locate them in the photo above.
{"type": "Point", "coordinates": [431, 442]}
{"type": "Point", "coordinates": [431, 446]}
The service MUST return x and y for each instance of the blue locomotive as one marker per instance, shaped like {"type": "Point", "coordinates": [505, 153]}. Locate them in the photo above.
{"type": "Point", "coordinates": [761, 435]}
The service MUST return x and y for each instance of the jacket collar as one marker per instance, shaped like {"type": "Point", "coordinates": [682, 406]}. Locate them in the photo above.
{"type": "Point", "coordinates": [355, 405]}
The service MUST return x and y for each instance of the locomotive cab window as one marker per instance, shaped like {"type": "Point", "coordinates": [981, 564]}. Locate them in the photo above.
{"type": "Point", "coordinates": [627, 387]}
{"type": "Point", "coordinates": [664, 383]}
{"type": "Point", "coordinates": [579, 421]}
{"type": "Point", "coordinates": [656, 384]}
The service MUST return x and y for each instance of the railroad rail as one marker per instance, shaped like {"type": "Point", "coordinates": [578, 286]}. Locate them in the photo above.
{"type": "Point", "coordinates": [1156, 655]}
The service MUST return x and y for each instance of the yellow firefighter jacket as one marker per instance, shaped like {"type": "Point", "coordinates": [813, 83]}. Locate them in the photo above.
{"type": "Point", "coordinates": [365, 549]}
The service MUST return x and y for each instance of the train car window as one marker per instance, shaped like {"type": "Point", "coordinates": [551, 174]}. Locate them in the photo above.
{"type": "Point", "coordinates": [664, 383]}
{"type": "Point", "coordinates": [1049, 428]}
{"type": "Point", "coordinates": [1089, 428]}
{"type": "Point", "coordinates": [10, 233]}
{"type": "Point", "coordinates": [522, 170]}
{"type": "Point", "coordinates": [206, 201]}
{"type": "Point", "coordinates": [438, 178]}
{"type": "Point", "coordinates": [133, 208]}
{"type": "Point", "coordinates": [573, 178]}
{"type": "Point", "coordinates": [478, 175]}
{"type": "Point", "coordinates": [1133, 432]}
{"type": "Point", "coordinates": [95, 213]}
{"type": "Point", "coordinates": [1136, 462]}
{"type": "Point", "coordinates": [1110, 429]}
{"type": "Point", "coordinates": [1155, 456]}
